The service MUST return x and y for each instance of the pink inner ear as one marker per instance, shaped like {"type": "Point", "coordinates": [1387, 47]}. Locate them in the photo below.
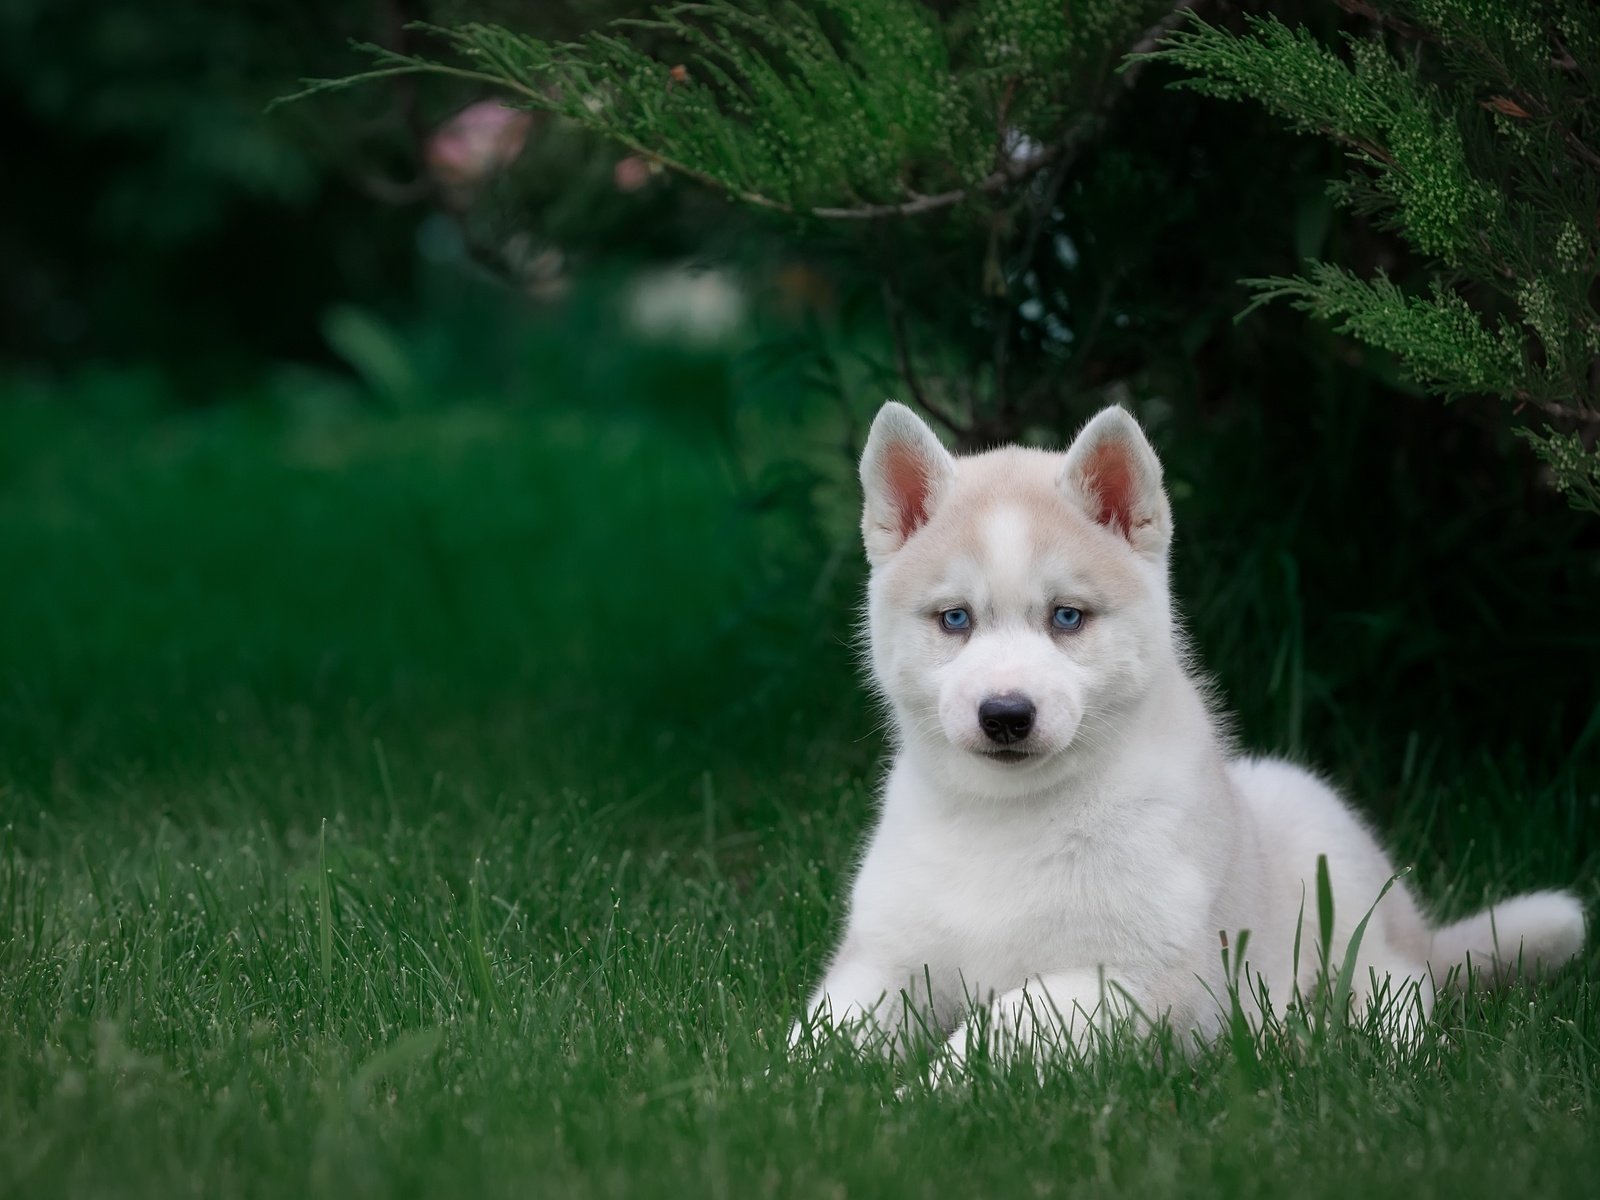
{"type": "Point", "coordinates": [907, 477]}
{"type": "Point", "coordinates": [1109, 478]}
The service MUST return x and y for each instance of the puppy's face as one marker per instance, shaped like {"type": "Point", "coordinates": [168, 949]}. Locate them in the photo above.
{"type": "Point", "coordinates": [1018, 602]}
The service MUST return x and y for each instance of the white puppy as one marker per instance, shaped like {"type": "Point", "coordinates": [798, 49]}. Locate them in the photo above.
{"type": "Point", "coordinates": [1064, 836]}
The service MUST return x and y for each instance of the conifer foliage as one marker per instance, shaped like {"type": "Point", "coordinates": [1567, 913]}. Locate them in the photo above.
{"type": "Point", "coordinates": [1474, 128]}
{"type": "Point", "coordinates": [833, 108]}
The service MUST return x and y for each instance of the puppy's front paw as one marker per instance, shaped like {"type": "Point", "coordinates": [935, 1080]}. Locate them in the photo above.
{"type": "Point", "coordinates": [944, 1071]}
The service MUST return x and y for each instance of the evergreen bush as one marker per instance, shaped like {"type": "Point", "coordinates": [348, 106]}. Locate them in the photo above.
{"type": "Point", "coordinates": [1474, 130]}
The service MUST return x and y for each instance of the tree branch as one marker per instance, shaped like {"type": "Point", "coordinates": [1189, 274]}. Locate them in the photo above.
{"type": "Point", "coordinates": [1078, 134]}
{"type": "Point", "coordinates": [1534, 104]}
{"type": "Point", "coordinates": [1006, 176]}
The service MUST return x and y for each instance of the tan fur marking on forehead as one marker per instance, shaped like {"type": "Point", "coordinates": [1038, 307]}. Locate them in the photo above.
{"type": "Point", "coordinates": [1006, 533]}
{"type": "Point", "coordinates": [1026, 480]}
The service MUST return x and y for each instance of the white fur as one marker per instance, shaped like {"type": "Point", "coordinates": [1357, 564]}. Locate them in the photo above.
{"type": "Point", "coordinates": [1096, 879]}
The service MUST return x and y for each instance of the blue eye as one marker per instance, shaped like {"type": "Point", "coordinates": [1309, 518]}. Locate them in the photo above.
{"type": "Point", "coordinates": [1067, 619]}
{"type": "Point", "coordinates": [956, 620]}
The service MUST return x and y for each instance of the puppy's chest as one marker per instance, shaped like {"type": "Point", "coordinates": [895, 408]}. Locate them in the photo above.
{"type": "Point", "coordinates": [998, 905]}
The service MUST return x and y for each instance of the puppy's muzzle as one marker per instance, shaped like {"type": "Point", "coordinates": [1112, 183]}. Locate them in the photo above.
{"type": "Point", "coordinates": [1006, 718]}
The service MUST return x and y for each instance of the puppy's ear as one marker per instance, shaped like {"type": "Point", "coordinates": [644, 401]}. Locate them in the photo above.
{"type": "Point", "coordinates": [1114, 476]}
{"type": "Point", "coordinates": [905, 472]}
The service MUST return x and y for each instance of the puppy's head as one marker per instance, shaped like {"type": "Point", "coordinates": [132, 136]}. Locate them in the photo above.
{"type": "Point", "coordinates": [1018, 604]}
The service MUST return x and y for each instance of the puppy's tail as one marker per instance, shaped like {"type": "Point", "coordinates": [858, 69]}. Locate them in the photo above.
{"type": "Point", "coordinates": [1524, 936]}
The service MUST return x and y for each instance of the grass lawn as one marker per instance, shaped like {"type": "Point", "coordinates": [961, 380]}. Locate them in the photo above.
{"type": "Point", "coordinates": [458, 802]}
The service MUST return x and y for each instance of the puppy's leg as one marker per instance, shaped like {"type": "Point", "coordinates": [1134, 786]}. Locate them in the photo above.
{"type": "Point", "coordinates": [1394, 991]}
{"type": "Point", "coordinates": [1061, 1011]}
{"type": "Point", "coordinates": [868, 1004]}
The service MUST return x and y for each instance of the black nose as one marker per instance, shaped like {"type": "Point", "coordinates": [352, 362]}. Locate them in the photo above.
{"type": "Point", "coordinates": [1006, 719]}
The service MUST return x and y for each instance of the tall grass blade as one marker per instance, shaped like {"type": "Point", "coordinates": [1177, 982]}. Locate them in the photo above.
{"type": "Point", "coordinates": [325, 920]}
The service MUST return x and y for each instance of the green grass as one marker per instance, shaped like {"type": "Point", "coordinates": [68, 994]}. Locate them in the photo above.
{"type": "Point", "coordinates": [459, 801]}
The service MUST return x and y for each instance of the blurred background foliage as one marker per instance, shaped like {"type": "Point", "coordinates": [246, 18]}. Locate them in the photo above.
{"type": "Point", "coordinates": [362, 414]}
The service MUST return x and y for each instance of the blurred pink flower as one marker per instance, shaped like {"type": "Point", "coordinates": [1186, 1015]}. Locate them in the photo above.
{"type": "Point", "coordinates": [631, 173]}
{"type": "Point", "coordinates": [478, 141]}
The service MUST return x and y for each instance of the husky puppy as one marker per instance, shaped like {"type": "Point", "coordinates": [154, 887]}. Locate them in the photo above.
{"type": "Point", "coordinates": [1066, 835]}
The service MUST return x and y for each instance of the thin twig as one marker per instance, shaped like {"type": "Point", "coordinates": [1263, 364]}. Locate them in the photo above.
{"type": "Point", "coordinates": [1554, 408]}
{"type": "Point", "coordinates": [1151, 38]}
{"type": "Point", "coordinates": [540, 101]}
{"type": "Point", "coordinates": [902, 351]}
{"type": "Point", "coordinates": [1361, 8]}
{"type": "Point", "coordinates": [1005, 405]}
{"type": "Point", "coordinates": [403, 112]}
